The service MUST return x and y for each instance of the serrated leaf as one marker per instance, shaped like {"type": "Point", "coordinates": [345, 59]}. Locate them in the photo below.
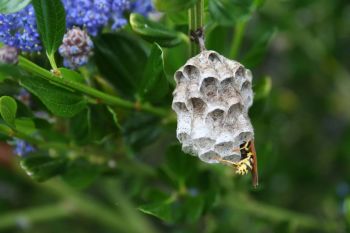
{"type": "Point", "coordinates": [173, 5]}
{"type": "Point", "coordinates": [8, 110]}
{"type": "Point", "coordinates": [154, 85]}
{"type": "Point", "coordinates": [59, 101]}
{"type": "Point", "coordinates": [155, 32]}
{"type": "Point", "coordinates": [43, 167]}
{"type": "Point", "coordinates": [51, 23]}
{"type": "Point", "coordinates": [121, 60]}
{"type": "Point", "coordinates": [12, 6]}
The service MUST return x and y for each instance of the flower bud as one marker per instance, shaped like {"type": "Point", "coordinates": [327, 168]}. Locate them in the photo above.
{"type": "Point", "coordinates": [8, 55]}
{"type": "Point", "coordinates": [76, 48]}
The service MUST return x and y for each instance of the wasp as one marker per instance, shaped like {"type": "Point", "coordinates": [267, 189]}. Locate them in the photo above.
{"type": "Point", "coordinates": [248, 161]}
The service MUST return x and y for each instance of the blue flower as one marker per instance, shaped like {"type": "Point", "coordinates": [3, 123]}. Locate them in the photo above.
{"type": "Point", "coordinates": [90, 14]}
{"type": "Point", "coordinates": [22, 148]}
{"type": "Point", "coordinates": [143, 7]}
{"type": "Point", "coordinates": [19, 30]}
{"type": "Point", "coordinates": [118, 9]}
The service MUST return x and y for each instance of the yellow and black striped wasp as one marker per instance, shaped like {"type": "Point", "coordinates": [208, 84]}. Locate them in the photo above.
{"type": "Point", "coordinates": [248, 161]}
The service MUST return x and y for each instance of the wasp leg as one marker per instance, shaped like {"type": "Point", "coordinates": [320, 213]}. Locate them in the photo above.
{"type": "Point", "coordinates": [244, 165]}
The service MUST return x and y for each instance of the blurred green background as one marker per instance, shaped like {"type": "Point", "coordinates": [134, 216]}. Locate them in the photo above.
{"type": "Point", "coordinates": [298, 52]}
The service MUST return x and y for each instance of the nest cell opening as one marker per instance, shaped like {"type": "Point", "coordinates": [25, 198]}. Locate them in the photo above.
{"type": "Point", "coordinates": [210, 157]}
{"type": "Point", "coordinates": [224, 148]}
{"type": "Point", "coordinates": [240, 72]}
{"type": "Point", "coordinates": [209, 87]}
{"type": "Point", "coordinates": [233, 112]}
{"type": "Point", "coordinates": [244, 137]}
{"type": "Point", "coordinates": [198, 105]}
{"type": "Point", "coordinates": [215, 118]}
{"type": "Point", "coordinates": [203, 143]}
{"type": "Point", "coordinates": [179, 107]}
{"type": "Point", "coordinates": [179, 77]}
{"type": "Point", "coordinates": [214, 57]}
{"type": "Point", "coordinates": [192, 72]}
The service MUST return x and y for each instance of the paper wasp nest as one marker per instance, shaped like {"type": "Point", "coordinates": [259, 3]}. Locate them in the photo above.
{"type": "Point", "coordinates": [211, 100]}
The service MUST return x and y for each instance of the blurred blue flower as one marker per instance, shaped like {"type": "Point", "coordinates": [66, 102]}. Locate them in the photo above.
{"type": "Point", "coordinates": [22, 148]}
{"type": "Point", "coordinates": [143, 7]}
{"type": "Point", "coordinates": [19, 30]}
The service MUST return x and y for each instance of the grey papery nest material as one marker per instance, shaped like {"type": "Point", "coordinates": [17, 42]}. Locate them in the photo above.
{"type": "Point", "coordinates": [211, 100]}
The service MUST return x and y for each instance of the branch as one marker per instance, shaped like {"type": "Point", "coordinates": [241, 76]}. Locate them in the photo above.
{"type": "Point", "coordinates": [101, 96]}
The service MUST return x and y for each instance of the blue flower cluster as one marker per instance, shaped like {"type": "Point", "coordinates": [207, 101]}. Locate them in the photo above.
{"type": "Point", "coordinates": [22, 148]}
{"type": "Point", "coordinates": [19, 30]}
{"type": "Point", "coordinates": [95, 14]}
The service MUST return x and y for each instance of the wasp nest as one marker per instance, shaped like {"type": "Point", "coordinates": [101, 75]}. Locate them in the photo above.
{"type": "Point", "coordinates": [211, 100]}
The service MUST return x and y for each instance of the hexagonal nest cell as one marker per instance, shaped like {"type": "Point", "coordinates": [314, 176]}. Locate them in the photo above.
{"type": "Point", "coordinates": [212, 97]}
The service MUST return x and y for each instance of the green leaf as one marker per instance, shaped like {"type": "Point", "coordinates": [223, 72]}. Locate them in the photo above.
{"type": "Point", "coordinates": [25, 125]}
{"type": "Point", "coordinates": [140, 130]}
{"type": "Point", "coordinates": [178, 18]}
{"type": "Point", "coordinates": [12, 6]}
{"type": "Point", "coordinates": [262, 88]}
{"type": "Point", "coordinates": [93, 125]}
{"type": "Point", "coordinates": [173, 5]}
{"type": "Point", "coordinates": [154, 85]}
{"type": "Point", "coordinates": [161, 210]}
{"type": "Point", "coordinates": [193, 208]}
{"type": "Point", "coordinates": [71, 75]}
{"type": "Point", "coordinates": [227, 12]}
{"type": "Point", "coordinates": [58, 100]}
{"type": "Point", "coordinates": [179, 166]}
{"type": "Point", "coordinates": [121, 60]}
{"type": "Point", "coordinates": [8, 109]}
{"type": "Point", "coordinates": [51, 23]}
{"type": "Point", "coordinates": [80, 173]}
{"type": "Point", "coordinates": [43, 167]}
{"type": "Point", "coordinates": [155, 32]}
{"type": "Point", "coordinates": [256, 54]}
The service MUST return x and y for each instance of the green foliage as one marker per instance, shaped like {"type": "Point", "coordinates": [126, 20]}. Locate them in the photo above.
{"type": "Point", "coordinates": [43, 167]}
{"type": "Point", "coordinates": [107, 149]}
{"type": "Point", "coordinates": [153, 86]}
{"type": "Point", "coordinates": [8, 109]}
{"type": "Point", "coordinates": [155, 32]}
{"type": "Point", "coordinates": [51, 21]}
{"type": "Point", "coordinates": [60, 101]}
{"type": "Point", "coordinates": [121, 59]}
{"type": "Point", "coordinates": [12, 6]}
{"type": "Point", "coordinates": [173, 5]}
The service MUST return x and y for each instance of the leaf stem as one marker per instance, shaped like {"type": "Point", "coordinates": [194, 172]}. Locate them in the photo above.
{"type": "Point", "coordinates": [238, 37]}
{"type": "Point", "coordinates": [100, 96]}
{"type": "Point", "coordinates": [52, 61]}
